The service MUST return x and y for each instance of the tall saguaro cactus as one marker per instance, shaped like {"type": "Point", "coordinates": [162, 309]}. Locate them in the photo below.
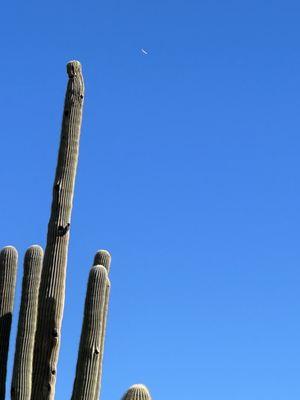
{"type": "Point", "coordinates": [21, 380]}
{"type": "Point", "coordinates": [8, 274]}
{"type": "Point", "coordinates": [52, 289]}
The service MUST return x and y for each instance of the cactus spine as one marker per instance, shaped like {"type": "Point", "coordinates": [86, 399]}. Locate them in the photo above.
{"type": "Point", "coordinates": [8, 275]}
{"type": "Point", "coordinates": [21, 379]}
{"type": "Point", "coordinates": [90, 343]}
{"type": "Point", "coordinates": [52, 289]}
{"type": "Point", "coordinates": [137, 392]}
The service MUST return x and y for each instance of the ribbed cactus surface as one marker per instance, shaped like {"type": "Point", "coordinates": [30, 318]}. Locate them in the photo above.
{"type": "Point", "coordinates": [21, 380]}
{"type": "Point", "coordinates": [52, 288]}
{"type": "Point", "coordinates": [137, 392]}
{"type": "Point", "coordinates": [102, 257]}
{"type": "Point", "coordinates": [90, 342]}
{"type": "Point", "coordinates": [8, 274]}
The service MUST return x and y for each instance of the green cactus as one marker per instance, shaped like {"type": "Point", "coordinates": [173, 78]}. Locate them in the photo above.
{"type": "Point", "coordinates": [85, 383]}
{"type": "Point", "coordinates": [8, 275]}
{"type": "Point", "coordinates": [52, 289]}
{"type": "Point", "coordinates": [21, 379]}
{"type": "Point", "coordinates": [102, 257]}
{"type": "Point", "coordinates": [43, 289]}
{"type": "Point", "coordinates": [137, 392]}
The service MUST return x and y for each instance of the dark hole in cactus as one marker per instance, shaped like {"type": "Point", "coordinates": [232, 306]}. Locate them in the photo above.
{"type": "Point", "coordinates": [97, 351]}
{"type": "Point", "coordinates": [62, 230]}
{"type": "Point", "coordinates": [54, 333]}
{"type": "Point", "coordinates": [53, 372]}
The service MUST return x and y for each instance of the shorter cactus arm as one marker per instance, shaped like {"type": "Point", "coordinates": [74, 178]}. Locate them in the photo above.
{"type": "Point", "coordinates": [137, 392]}
{"type": "Point", "coordinates": [102, 257]}
{"type": "Point", "coordinates": [84, 387]}
{"type": "Point", "coordinates": [8, 274]}
{"type": "Point", "coordinates": [22, 371]}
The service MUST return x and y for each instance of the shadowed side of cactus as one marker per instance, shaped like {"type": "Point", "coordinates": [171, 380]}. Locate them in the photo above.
{"type": "Point", "coordinates": [8, 274]}
{"type": "Point", "coordinates": [52, 287]}
{"type": "Point", "coordinates": [137, 392]}
{"type": "Point", "coordinates": [21, 380]}
{"type": "Point", "coordinates": [102, 257]}
{"type": "Point", "coordinates": [90, 342]}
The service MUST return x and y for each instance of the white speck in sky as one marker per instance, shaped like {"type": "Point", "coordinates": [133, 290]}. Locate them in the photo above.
{"type": "Point", "coordinates": [144, 52]}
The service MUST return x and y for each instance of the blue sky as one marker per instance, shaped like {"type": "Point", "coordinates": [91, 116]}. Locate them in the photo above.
{"type": "Point", "coordinates": [188, 174]}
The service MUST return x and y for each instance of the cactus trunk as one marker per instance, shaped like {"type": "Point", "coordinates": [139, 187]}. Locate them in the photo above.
{"type": "Point", "coordinates": [89, 356]}
{"type": "Point", "coordinates": [52, 288]}
{"type": "Point", "coordinates": [8, 274]}
{"type": "Point", "coordinates": [21, 380]}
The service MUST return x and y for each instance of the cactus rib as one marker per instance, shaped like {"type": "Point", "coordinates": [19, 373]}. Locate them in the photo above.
{"type": "Point", "coordinates": [52, 287]}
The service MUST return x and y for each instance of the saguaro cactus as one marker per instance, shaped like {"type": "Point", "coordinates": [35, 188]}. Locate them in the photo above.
{"type": "Point", "coordinates": [8, 274]}
{"type": "Point", "coordinates": [43, 288]}
{"type": "Point", "coordinates": [137, 392]}
{"type": "Point", "coordinates": [102, 257]}
{"type": "Point", "coordinates": [85, 384]}
{"type": "Point", "coordinates": [21, 381]}
{"type": "Point", "coordinates": [52, 289]}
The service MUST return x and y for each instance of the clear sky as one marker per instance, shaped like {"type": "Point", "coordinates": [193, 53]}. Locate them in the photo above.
{"type": "Point", "coordinates": [188, 175]}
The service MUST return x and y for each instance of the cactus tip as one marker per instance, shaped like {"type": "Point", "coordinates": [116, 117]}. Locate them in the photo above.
{"type": "Point", "coordinates": [98, 269]}
{"type": "Point", "coordinates": [73, 68]}
{"type": "Point", "coordinates": [103, 257]}
{"type": "Point", "coordinates": [34, 250]}
{"type": "Point", "coordinates": [9, 250]}
{"type": "Point", "coordinates": [139, 390]}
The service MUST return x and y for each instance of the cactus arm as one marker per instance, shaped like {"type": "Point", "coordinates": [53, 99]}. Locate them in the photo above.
{"type": "Point", "coordinates": [52, 287]}
{"type": "Point", "coordinates": [8, 274]}
{"type": "Point", "coordinates": [21, 379]}
{"type": "Point", "coordinates": [90, 342]}
{"type": "Point", "coordinates": [137, 392]}
{"type": "Point", "coordinates": [102, 257]}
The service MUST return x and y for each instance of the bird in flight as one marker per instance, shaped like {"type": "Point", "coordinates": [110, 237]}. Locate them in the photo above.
{"type": "Point", "coordinates": [144, 52]}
